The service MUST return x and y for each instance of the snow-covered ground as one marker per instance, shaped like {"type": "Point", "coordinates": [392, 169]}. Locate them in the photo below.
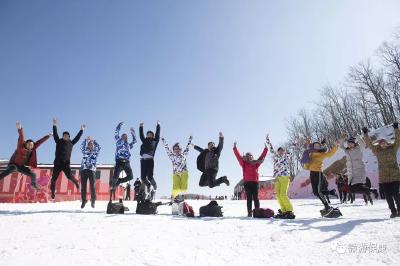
{"type": "Point", "coordinates": [62, 234]}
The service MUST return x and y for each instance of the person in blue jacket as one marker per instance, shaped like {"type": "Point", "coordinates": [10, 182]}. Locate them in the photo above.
{"type": "Point", "coordinates": [122, 156]}
{"type": "Point", "coordinates": [90, 150]}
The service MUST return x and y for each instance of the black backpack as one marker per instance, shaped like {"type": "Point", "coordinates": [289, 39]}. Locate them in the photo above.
{"type": "Point", "coordinates": [115, 208]}
{"type": "Point", "coordinates": [147, 207]}
{"type": "Point", "coordinates": [212, 209]}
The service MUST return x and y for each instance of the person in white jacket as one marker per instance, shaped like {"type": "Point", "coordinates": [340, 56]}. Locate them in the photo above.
{"type": "Point", "coordinates": [355, 165]}
{"type": "Point", "coordinates": [180, 174]}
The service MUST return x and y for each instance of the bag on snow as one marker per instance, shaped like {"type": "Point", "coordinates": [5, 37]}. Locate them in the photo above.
{"type": "Point", "coordinates": [147, 207]}
{"type": "Point", "coordinates": [115, 208]}
{"type": "Point", "coordinates": [182, 209]}
{"type": "Point", "coordinates": [212, 209]}
{"type": "Point", "coordinates": [263, 213]}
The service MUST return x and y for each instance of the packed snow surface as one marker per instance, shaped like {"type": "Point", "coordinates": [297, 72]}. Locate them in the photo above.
{"type": "Point", "coordinates": [63, 234]}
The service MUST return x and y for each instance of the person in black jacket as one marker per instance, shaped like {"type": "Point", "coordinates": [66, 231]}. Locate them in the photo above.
{"type": "Point", "coordinates": [208, 164]}
{"type": "Point", "coordinates": [147, 152]}
{"type": "Point", "coordinates": [136, 187]}
{"type": "Point", "coordinates": [64, 147]}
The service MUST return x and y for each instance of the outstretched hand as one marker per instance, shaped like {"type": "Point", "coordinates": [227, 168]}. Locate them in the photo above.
{"type": "Point", "coordinates": [18, 124]}
{"type": "Point", "coordinates": [234, 144]}
{"type": "Point", "coordinates": [158, 123]}
{"type": "Point", "coordinates": [141, 124]}
{"type": "Point", "coordinates": [54, 121]}
{"type": "Point", "coordinates": [221, 135]}
{"type": "Point", "coordinates": [83, 127]}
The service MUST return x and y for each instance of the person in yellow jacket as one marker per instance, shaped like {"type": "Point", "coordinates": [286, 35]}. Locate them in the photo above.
{"type": "Point", "coordinates": [317, 154]}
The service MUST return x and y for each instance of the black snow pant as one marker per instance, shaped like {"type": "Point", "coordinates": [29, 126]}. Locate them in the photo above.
{"type": "Point", "coordinates": [122, 165]}
{"type": "Point", "coordinates": [381, 192]}
{"type": "Point", "coordinates": [147, 172]}
{"type": "Point", "coordinates": [58, 168]}
{"type": "Point", "coordinates": [251, 189]}
{"type": "Point", "coordinates": [362, 189]}
{"type": "Point", "coordinates": [85, 175]}
{"type": "Point", "coordinates": [316, 184]}
{"type": "Point", "coordinates": [209, 178]}
{"type": "Point", "coordinates": [11, 168]}
{"type": "Point", "coordinates": [392, 195]}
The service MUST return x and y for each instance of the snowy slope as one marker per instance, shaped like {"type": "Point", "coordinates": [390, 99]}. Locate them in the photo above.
{"type": "Point", "coordinates": [62, 234]}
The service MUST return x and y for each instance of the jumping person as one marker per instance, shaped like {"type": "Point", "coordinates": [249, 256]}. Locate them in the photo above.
{"type": "Point", "coordinates": [179, 166]}
{"type": "Point", "coordinates": [63, 156]}
{"type": "Point", "coordinates": [317, 154]}
{"type": "Point", "coordinates": [90, 150]}
{"type": "Point", "coordinates": [147, 153]}
{"type": "Point", "coordinates": [250, 176]}
{"type": "Point", "coordinates": [208, 164]}
{"type": "Point", "coordinates": [122, 156]}
{"type": "Point", "coordinates": [355, 166]}
{"type": "Point", "coordinates": [389, 172]}
{"type": "Point", "coordinates": [281, 160]}
{"type": "Point", "coordinates": [24, 157]}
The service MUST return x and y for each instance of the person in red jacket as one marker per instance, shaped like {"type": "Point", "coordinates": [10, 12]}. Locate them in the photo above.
{"type": "Point", "coordinates": [250, 176]}
{"type": "Point", "coordinates": [24, 157]}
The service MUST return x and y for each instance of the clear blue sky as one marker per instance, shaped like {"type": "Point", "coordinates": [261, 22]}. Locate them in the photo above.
{"type": "Point", "coordinates": [242, 67]}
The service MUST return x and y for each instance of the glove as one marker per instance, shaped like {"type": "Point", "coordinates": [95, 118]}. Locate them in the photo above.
{"type": "Point", "coordinates": [365, 130]}
{"type": "Point", "coordinates": [396, 125]}
{"type": "Point", "coordinates": [323, 142]}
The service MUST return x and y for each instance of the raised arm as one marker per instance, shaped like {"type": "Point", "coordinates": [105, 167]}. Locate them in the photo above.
{"type": "Point", "coordinates": [271, 148]}
{"type": "Point", "coordinates": [263, 154]}
{"type": "Point", "coordinates": [158, 129]}
{"type": "Point", "coordinates": [41, 141]}
{"type": "Point", "coordinates": [117, 129]}
{"type": "Point", "coordinates": [83, 146]}
{"type": "Point", "coordinates": [97, 147]}
{"type": "Point", "coordinates": [21, 135]}
{"type": "Point", "coordinates": [167, 149]}
{"type": "Point", "coordinates": [331, 152]}
{"type": "Point", "coordinates": [186, 151]}
{"type": "Point", "coordinates": [368, 141]}
{"type": "Point", "coordinates": [141, 134]}
{"type": "Point", "coordinates": [55, 133]}
{"type": "Point", "coordinates": [220, 144]}
{"type": "Point", "coordinates": [79, 135]}
{"type": "Point", "coordinates": [133, 133]}
{"type": "Point", "coordinates": [197, 148]}
{"type": "Point", "coordinates": [237, 155]}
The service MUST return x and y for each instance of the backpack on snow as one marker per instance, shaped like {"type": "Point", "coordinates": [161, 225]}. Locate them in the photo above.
{"type": "Point", "coordinates": [263, 213]}
{"type": "Point", "coordinates": [115, 208]}
{"type": "Point", "coordinates": [182, 209]}
{"type": "Point", "coordinates": [212, 209]}
{"type": "Point", "coordinates": [147, 207]}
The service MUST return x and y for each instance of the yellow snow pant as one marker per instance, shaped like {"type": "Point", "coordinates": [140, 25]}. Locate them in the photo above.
{"type": "Point", "coordinates": [281, 192]}
{"type": "Point", "coordinates": [179, 183]}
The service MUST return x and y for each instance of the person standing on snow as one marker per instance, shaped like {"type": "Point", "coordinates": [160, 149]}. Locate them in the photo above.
{"type": "Point", "coordinates": [122, 156]}
{"type": "Point", "coordinates": [136, 188]}
{"type": "Point", "coordinates": [208, 164]}
{"type": "Point", "coordinates": [281, 160]}
{"type": "Point", "coordinates": [250, 176]}
{"type": "Point", "coordinates": [24, 157]}
{"type": "Point", "coordinates": [317, 154]}
{"type": "Point", "coordinates": [62, 159]}
{"type": "Point", "coordinates": [90, 150]}
{"type": "Point", "coordinates": [389, 172]}
{"type": "Point", "coordinates": [179, 165]}
{"type": "Point", "coordinates": [355, 165]}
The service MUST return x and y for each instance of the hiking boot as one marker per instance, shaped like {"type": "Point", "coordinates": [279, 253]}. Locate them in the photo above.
{"type": "Point", "coordinates": [250, 214]}
{"type": "Point", "coordinates": [289, 215]}
{"type": "Point", "coordinates": [83, 204]}
{"type": "Point", "coordinates": [92, 203]}
{"type": "Point", "coordinates": [225, 180]}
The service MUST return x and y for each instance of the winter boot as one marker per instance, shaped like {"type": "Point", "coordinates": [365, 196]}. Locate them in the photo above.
{"type": "Point", "coordinates": [83, 204]}
{"type": "Point", "coordinates": [249, 213]}
{"type": "Point", "coordinates": [289, 215]}
{"type": "Point", "coordinates": [92, 203]}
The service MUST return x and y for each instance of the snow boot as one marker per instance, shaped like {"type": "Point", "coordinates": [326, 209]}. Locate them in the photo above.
{"type": "Point", "coordinates": [249, 213]}
{"type": "Point", "coordinates": [83, 204]}
{"type": "Point", "coordinates": [394, 215]}
{"type": "Point", "coordinates": [289, 215]}
{"type": "Point", "coordinates": [92, 203]}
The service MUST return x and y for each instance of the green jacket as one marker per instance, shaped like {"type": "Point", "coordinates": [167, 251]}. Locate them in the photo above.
{"type": "Point", "coordinates": [387, 159]}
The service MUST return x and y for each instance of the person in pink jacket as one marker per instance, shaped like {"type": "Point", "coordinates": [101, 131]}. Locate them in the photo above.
{"type": "Point", "coordinates": [250, 176]}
